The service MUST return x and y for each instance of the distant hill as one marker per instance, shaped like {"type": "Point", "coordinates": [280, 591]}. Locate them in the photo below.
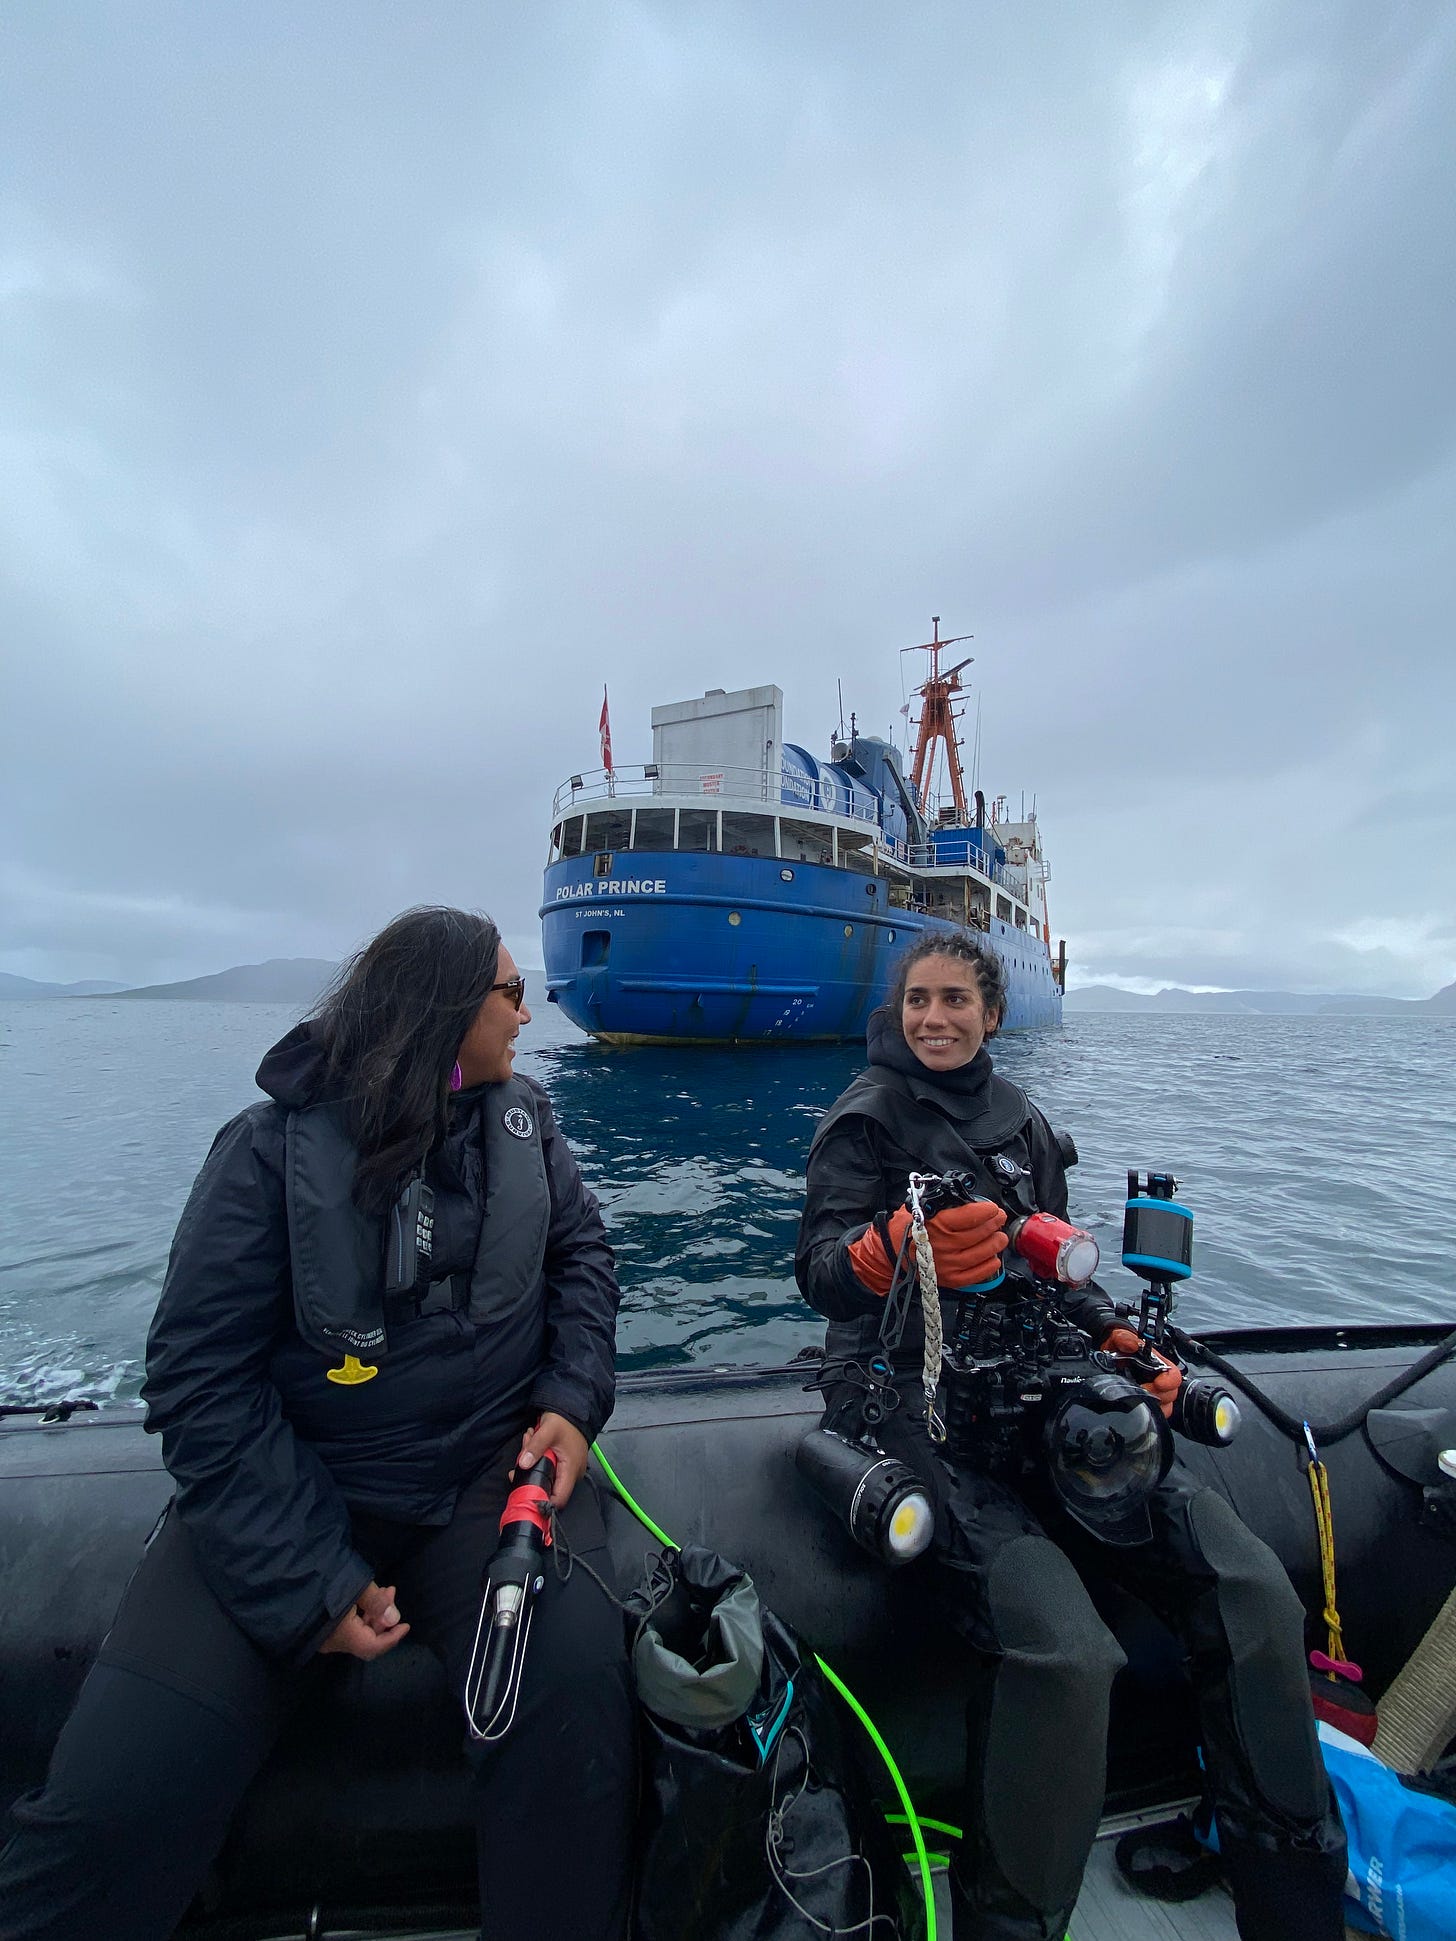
{"type": "Point", "coordinates": [27, 987]}
{"type": "Point", "coordinates": [1303, 1004]}
{"type": "Point", "coordinates": [282, 980]}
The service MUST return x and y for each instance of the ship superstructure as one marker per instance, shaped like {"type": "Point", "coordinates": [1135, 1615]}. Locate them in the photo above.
{"type": "Point", "coordinates": [739, 889]}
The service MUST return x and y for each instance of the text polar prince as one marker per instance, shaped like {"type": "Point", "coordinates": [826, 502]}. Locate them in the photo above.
{"type": "Point", "coordinates": [613, 886]}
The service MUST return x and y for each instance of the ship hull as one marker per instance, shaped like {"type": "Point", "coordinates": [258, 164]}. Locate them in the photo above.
{"type": "Point", "coordinates": [719, 949]}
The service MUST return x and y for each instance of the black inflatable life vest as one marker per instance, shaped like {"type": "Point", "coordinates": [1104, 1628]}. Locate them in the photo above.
{"type": "Point", "coordinates": [337, 1252]}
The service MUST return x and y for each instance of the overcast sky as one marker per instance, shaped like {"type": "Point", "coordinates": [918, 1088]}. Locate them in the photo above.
{"type": "Point", "coordinates": [378, 381]}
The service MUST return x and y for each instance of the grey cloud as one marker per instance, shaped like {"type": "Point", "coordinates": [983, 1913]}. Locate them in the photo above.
{"type": "Point", "coordinates": [371, 396]}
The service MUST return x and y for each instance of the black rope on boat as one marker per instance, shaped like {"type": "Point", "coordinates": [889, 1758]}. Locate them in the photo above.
{"type": "Point", "coordinates": [1294, 1426]}
{"type": "Point", "coordinates": [47, 1411]}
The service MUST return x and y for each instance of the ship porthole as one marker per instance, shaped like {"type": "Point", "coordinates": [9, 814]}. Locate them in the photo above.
{"type": "Point", "coordinates": [849, 930]}
{"type": "Point", "coordinates": [786, 876]}
{"type": "Point", "coordinates": [733, 917]}
{"type": "Point", "coordinates": [890, 936]}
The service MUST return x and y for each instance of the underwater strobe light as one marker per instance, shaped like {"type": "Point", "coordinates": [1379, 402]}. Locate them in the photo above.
{"type": "Point", "coordinates": [1204, 1411]}
{"type": "Point", "coordinates": [1107, 1449]}
{"type": "Point", "coordinates": [1157, 1244]}
{"type": "Point", "coordinates": [883, 1504]}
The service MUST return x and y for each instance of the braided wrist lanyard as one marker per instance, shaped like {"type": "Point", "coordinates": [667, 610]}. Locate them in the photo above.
{"type": "Point", "coordinates": [929, 1309]}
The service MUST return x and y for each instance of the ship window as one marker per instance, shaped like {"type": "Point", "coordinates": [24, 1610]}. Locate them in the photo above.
{"type": "Point", "coordinates": [803, 842]}
{"type": "Point", "coordinates": [698, 829]}
{"type": "Point", "coordinates": [1021, 919]}
{"type": "Point", "coordinates": [748, 835]}
{"type": "Point", "coordinates": [654, 829]}
{"type": "Point", "coordinates": [608, 829]}
{"type": "Point", "coordinates": [571, 838]}
{"type": "Point", "coordinates": [1003, 908]}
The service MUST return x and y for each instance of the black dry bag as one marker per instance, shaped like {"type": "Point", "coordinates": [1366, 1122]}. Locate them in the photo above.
{"type": "Point", "coordinates": [758, 1820]}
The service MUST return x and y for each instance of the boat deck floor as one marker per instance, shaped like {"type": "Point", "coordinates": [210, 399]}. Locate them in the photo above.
{"type": "Point", "coordinates": [1108, 1909]}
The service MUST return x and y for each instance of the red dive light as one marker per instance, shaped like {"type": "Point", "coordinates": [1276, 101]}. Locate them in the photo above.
{"type": "Point", "coordinates": [1055, 1250]}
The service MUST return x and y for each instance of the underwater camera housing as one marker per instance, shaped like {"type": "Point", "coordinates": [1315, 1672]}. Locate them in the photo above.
{"type": "Point", "coordinates": [1107, 1449]}
{"type": "Point", "coordinates": [1021, 1386]}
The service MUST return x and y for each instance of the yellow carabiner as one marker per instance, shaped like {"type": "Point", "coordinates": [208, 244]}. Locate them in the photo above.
{"type": "Point", "coordinates": [352, 1373]}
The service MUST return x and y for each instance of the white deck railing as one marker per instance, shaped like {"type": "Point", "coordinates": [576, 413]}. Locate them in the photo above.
{"type": "Point", "coordinates": [720, 787]}
{"type": "Point", "coordinates": [748, 787]}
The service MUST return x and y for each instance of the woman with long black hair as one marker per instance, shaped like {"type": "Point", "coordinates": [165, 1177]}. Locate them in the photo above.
{"type": "Point", "coordinates": [1005, 1560]}
{"type": "Point", "coordinates": [342, 1395]}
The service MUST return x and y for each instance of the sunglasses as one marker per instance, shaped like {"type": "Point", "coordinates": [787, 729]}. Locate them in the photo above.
{"type": "Point", "coordinates": [515, 990]}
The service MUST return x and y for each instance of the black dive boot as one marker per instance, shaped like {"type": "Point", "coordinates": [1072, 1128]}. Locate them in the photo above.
{"type": "Point", "coordinates": [1293, 1895]}
{"type": "Point", "coordinates": [992, 1910]}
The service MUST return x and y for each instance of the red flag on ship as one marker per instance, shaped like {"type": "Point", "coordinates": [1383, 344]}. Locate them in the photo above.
{"type": "Point", "coordinates": [604, 729]}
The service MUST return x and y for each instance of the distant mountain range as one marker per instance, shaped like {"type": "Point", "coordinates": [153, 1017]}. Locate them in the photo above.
{"type": "Point", "coordinates": [281, 980]}
{"type": "Point", "coordinates": [12, 986]}
{"type": "Point", "coordinates": [299, 980]}
{"type": "Point", "coordinates": [1299, 1004]}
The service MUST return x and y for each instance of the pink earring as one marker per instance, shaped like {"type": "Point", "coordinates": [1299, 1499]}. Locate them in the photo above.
{"type": "Point", "coordinates": [457, 1078]}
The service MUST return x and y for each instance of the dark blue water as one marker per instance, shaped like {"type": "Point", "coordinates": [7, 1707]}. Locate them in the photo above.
{"type": "Point", "coordinates": [1317, 1155]}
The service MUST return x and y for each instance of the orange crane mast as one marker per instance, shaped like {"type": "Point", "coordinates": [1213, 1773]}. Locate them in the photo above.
{"type": "Point", "coordinates": [937, 721]}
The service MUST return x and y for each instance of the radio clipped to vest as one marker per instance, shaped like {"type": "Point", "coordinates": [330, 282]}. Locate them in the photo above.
{"type": "Point", "coordinates": [409, 1241]}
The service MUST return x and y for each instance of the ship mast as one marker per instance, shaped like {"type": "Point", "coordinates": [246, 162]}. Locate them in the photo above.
{"type": "Point", "coordinates": [937, 720]}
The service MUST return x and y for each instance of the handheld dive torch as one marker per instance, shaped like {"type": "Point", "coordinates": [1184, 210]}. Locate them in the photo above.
{"type": "Point", "coordinates": [510, 1586]}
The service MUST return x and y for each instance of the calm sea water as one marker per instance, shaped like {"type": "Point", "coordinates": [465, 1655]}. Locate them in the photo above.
{"type": "Point", "coordinates": [1317, 1156]}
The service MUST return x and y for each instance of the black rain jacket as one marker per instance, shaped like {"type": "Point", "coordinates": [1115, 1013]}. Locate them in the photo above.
{"type": "Point", "coordinates": [896, 1118]}
{"type": "Point", "coordinates": [269, 1457]}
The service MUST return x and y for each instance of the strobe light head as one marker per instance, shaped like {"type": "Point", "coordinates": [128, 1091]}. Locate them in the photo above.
{"type": "Point", "coordinates": [884, 1505]}
{"type": "Point", "coordinates": [1107, 1449]}
{"type": "Point", "coordinates": [1204, 1411]}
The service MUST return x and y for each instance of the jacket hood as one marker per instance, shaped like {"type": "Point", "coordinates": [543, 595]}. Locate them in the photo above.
{"type": "Point", "coordinates": [293, 1071]}
{"type": "Point", "coordinates": [885, 1043]}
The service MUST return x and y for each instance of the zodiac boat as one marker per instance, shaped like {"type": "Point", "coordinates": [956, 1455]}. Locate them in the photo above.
{"type": "Point", "coordinates": [359, 1823]}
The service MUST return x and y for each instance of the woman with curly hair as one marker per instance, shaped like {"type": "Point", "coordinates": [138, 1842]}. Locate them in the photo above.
{"type": "Point", "coordinates": [1004, 1563]}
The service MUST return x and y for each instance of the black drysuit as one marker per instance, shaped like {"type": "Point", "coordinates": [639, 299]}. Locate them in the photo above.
{"type": "Point", "coordinates": [1004, 1565]}
{"type": "Point", "coordinates": [293, 1492]}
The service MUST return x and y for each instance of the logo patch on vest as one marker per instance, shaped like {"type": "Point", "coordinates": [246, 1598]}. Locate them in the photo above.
{"type": "Point", "coordinates": [518, 1122]}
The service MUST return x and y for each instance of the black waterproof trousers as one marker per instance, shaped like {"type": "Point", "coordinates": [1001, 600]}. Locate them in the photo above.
{"type": "Point", "coordinates": [181, 1709]}
{"type": "Point", "coordinates": [1043, 1664]}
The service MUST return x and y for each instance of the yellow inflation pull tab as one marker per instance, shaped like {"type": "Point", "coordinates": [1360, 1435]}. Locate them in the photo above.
{"type": "Point", "coordinates": [352, 1373]}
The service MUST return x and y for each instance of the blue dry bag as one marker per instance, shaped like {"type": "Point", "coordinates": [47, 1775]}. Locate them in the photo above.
{"type": "Point", "coordinates": [1402, 1846]}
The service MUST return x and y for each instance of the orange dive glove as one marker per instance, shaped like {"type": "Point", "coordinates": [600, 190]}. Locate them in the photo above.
{"type": "Point", "coordinates": [967, 1242]}
{"type": "Point", "coordinates": [1165, 1385]}
{"type": "Point", "coordinates": [871, 1265]}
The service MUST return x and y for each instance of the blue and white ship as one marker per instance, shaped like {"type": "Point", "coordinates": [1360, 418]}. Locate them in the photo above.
{"type": "Point", "coordinates": [738, 890]}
